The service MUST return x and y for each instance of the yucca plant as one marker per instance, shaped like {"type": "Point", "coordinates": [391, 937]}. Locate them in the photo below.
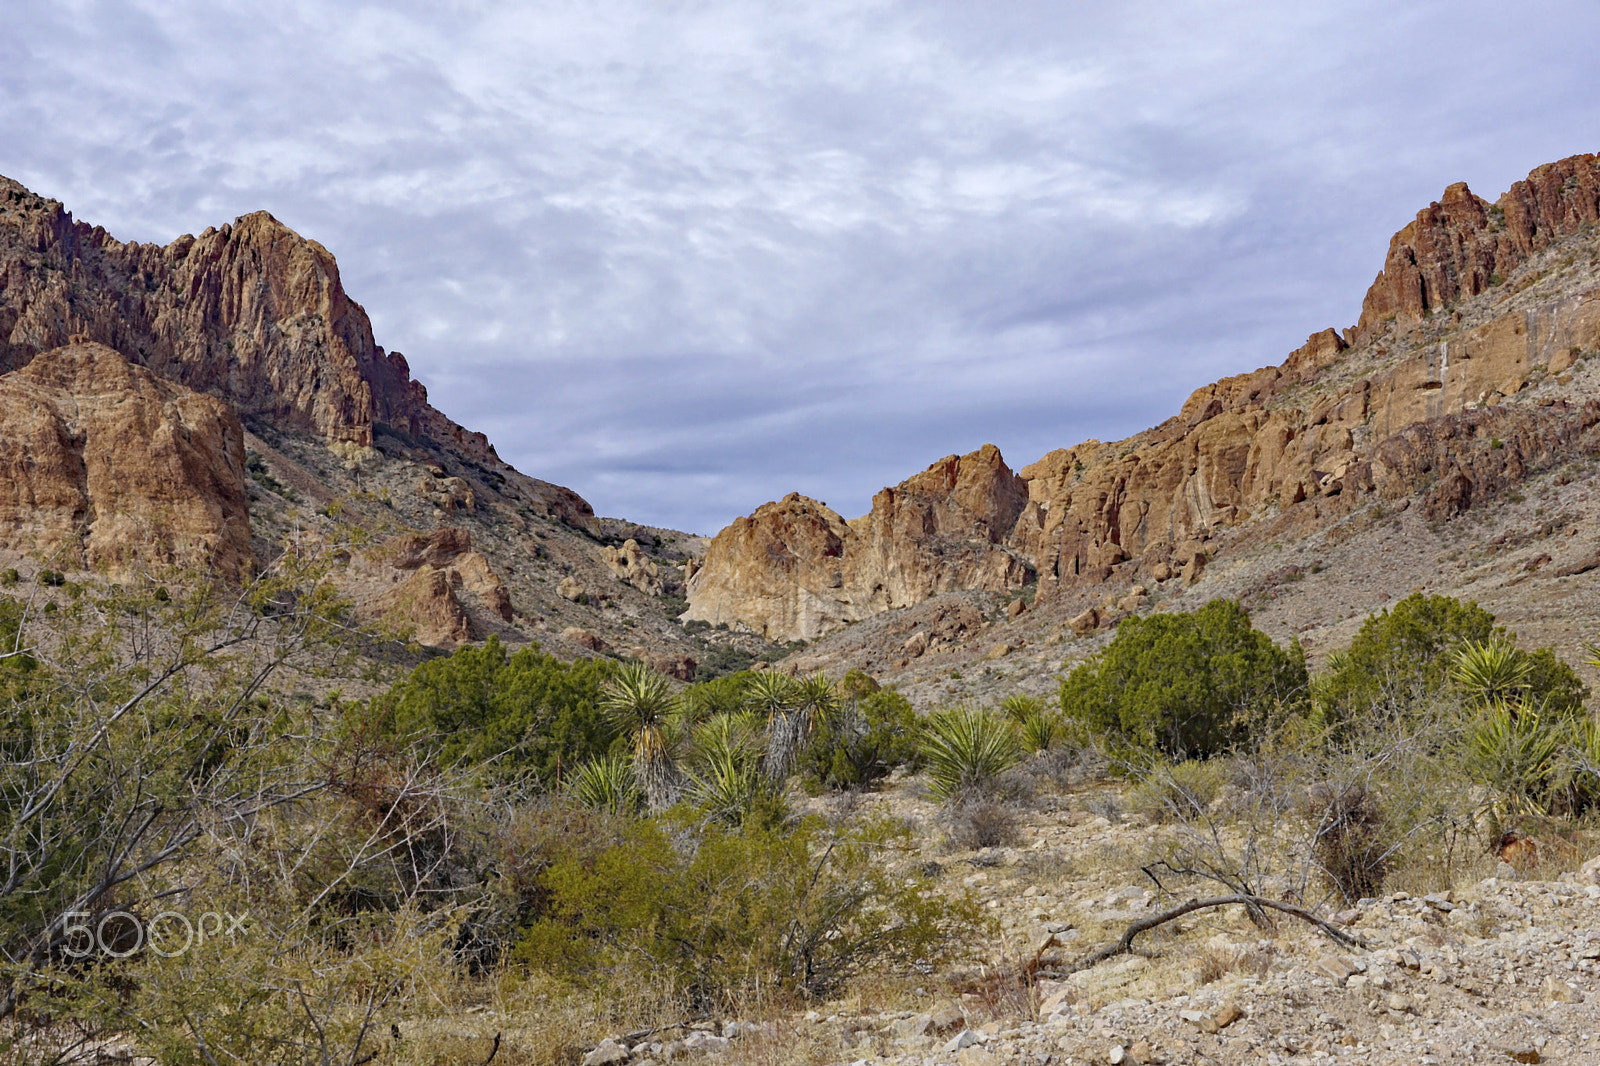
{"type": "Point", "coordinates": [641, 705]}
{"type": "Point", "coordinates": [732, 789]}
{"type": "Point", "coordinates": [1491, 671]}
{"type": "Point", "coordinates": [1039, 731]}
{"type": "Point", "coordinates": [1512, 751]}
{"type": "Point", "coordinates": [965, 749]}
{"type": "Point", "coordinates": [607, 783]}
{"type": "Point", "coordinates": [1019, 707]}
{"type": "Point", "coordinates": [792, 708]}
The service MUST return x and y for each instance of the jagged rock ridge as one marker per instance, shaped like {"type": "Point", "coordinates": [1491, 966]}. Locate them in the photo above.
{"type": "Point", "coordinates": [1408, 401]}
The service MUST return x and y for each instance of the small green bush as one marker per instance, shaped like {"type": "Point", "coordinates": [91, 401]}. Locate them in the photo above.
{"type": "Point", "coordinates": [1186, 686]}
{"type": "Point", "coordinates": [1178, 793]}
{"type": "Point", "coordinates": [718, 912]}
{"type": "Point", "coordinates": [524, 714]}
{"type": "Point", "coordinates": [9, 577]}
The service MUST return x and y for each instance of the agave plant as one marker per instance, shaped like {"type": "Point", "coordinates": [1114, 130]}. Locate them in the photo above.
{"type": "Point", "coordinates": [641, 705]}
{"type": "Point", "coordinates": [607, 783]}
{"type": "Point", "coordinates": [965, 749]}
{"type": "Point", "coordinates": [1490, 672]}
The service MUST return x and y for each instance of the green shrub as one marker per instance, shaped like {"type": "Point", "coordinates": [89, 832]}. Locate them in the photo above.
{"type": "Point", "coordinates": [9, 577]}
{"type": "Point", "coordinates": [965, 750]}
{"type": "Point", "coordinates": [1178, 793]}
{"type": "Point", "coordinates": [1406, 655]}
{"type": "Point", "coordinates": [866, 740]}
{"type": "Point", "coordinates": [718, 912]}
{"type": "Point", "coordinates": [1186, 685]}
{"type": "Point", "coordinates": [525, 714]}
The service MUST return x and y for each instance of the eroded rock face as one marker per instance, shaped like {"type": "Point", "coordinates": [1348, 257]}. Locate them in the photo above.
{"type": "Point", "coordinates": [443, 567]}
{"type": "Point", "coordinates": [630, 564]}
{"type": "Point", "coordinates": [251, 313]}
{"type": "Point", "coordinates": [1457, 246]}
{"type": "Point", "coordinates": [1340, 421]}
{"type": "Point", "coordinates": [103, 464]}
{"type": "Point", "coordinates": [796, 570]}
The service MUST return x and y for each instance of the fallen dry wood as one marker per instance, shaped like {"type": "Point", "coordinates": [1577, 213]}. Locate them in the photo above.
{"type": "Point", "coordinates": [1124, 944]}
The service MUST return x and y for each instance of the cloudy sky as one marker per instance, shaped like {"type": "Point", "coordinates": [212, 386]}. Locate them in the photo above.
{"type": "Point", "coordinates": [687, 257]}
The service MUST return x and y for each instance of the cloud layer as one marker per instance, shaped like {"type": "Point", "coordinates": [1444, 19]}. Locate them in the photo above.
{"type": "Point", "coordinates": [688, 257]}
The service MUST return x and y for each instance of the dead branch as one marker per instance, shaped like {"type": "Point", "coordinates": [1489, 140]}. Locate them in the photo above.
{"type": "Point", "coordinates": [1123, 945]}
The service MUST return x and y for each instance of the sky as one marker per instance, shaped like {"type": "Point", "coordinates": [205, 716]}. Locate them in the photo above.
{"type": "Point", "coordinates": [685, 258]}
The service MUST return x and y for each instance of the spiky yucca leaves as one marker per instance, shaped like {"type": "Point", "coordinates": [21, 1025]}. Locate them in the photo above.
{"type": "Point", "coordinates": [965, 750]}
{"type": "Point", "coordinates": [726, 780]}
{"type": "Point", "coordinates": [606, 784]}
{"type": "Point", "coordinates": [1019, 707]}
{"type": "Point", "coordinates": [792, 706]}
{"type": "Point", "coordinates": [1514, 752]}
{"type": "Point", "coordinates": [1039, 731]}
{"type": "Point", "coordinates": [641, 705]}
{"type": "Point", "coordinates": [1490, 671]}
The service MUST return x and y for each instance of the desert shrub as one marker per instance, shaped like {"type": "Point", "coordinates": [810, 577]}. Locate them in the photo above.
{"type": "Point", "coordinates": [965, 750]}
{"type": "Point", "coordinates": [525, 714]}
{"type": "Point", "coordinates": [721, 660]}
{"type": "Point", "coordinates": [982, 822]}
{"type": "Point", "coordinates": [718, 912]}
{"type": "Point", "coordinates": [9, 576]}
{"type": "Point", "coordinates": [1186, 685]}
{"type": "Point", "coordinates": [873, 733]}
{"type": "Point", "coordinates": [1429, 645]}
{"type": "Point", "coordinates": [719, 695]}
{"type": "Point", "coordinates": [1180, 792]}
{"type": "Point", "coordinates": [1350, 845]}
{"type": "Point", "coordinates": [1515, 751]}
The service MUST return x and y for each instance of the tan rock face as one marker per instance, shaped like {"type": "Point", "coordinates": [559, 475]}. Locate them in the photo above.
{"type": "Point", "coordinates": [796, 570]}
{"type": "Point", "coordinates": [103, 462]}
{"type": "Point", "coordinates": [630, 564]}
{"type": "Point", "coordinates": [428, 601]}
{"type": "Point", "coordinates": [1308, 439]}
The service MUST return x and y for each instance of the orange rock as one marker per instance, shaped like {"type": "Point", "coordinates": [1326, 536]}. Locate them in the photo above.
{"type": "Point", "coordinates": [104, 461]}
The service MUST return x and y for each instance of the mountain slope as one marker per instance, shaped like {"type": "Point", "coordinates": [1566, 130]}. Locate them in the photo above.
{"type": "Point", "coordinates": [1453, 390]}
{"type": "Point", "coordinates": [338, 442]}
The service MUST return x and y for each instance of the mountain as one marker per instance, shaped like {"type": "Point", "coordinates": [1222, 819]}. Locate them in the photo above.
{"type": "Point", "coordinates": [198, 403]}
{"type": "Point", "coordinates": [1407, 445]}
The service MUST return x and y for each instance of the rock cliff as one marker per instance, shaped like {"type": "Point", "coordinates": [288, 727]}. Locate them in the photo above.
{"type": "Point", "coordinates": [103, 464]}
{"type": "Point", "coordinates": [251, 313]}
{"type": "Point", "coordinates": [795, 570]}
{"type": "Point", "coordinates": [1476, 303]}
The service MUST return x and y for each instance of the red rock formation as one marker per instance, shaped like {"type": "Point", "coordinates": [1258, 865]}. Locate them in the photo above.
{"type": "Point", "coordinates": [1457, 246]}
{"type": "Point", "coordinates": [105, 464]}
{"type": "Point", "coordinates": [252, 313]}
{"type": "Point", "coordinates": [796, 570]}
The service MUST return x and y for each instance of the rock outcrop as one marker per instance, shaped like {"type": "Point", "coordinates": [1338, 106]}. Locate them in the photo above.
{"type": "Point", "coordinates": [103, 464]}
{"type": "Point", "coordinates": [795, 569]}
{"type": "Point", "coordinates": [439, 567]}
{"type": "Point", "coordinates": [252, 313]}
{"type": "Point", "coordinates": [630, 564]}
{"type": "Point", "coordinates": [1406, 402]}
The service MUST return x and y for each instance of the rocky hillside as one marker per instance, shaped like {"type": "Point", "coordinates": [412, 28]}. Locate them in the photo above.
{"type": "Point", "coordinates": [1463, 385]}
{"type": "Point", "coordinates": [200, 402]}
